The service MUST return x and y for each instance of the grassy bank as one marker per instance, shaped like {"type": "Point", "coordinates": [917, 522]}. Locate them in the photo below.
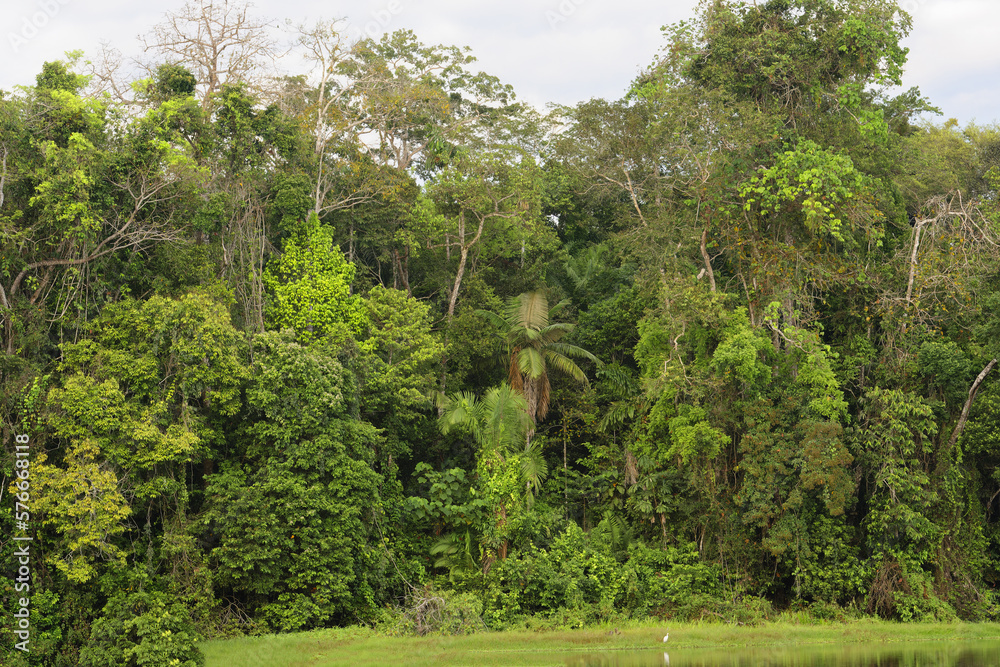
{"type": "Point", "coordinates": [361, 646]}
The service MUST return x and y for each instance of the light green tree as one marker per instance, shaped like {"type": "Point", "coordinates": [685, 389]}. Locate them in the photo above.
{"type": "Point", "coordinates": [134, 408]}
{"type": "Point", "coordinates": [311, 282]}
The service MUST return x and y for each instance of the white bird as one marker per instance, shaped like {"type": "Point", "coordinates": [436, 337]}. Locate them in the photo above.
{"type": "Point", "coordinates": [665, 637]}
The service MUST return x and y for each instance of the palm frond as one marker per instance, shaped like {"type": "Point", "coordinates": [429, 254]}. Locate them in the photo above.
{"type": "Point", "coordinates": [620, 413]}
{"type": "Point", "coordinates": [570, 350]}
{"type": "Point", "coordinates": [506, 419]}
{"type": "Point", "coordinates": [619, 378]}
{"type": "Point", "coordinates": [577, 275]}
{"type": "Point", "coordinates": [460, 410]}
{"type": "Point", "coordinates": [556, 309]}
{"type": "Point", "coordinates": [534, 470]}
{"type": "Point", "coordinates": [531, 362]}
{"type": "Point", "coordinates": [528, 311]}
{"type": "Point", "coordinates": [499, 323]}
{"type": "Point", "coordinates": [564, 364]}
{"type": "Point", "coordinates": [528, 336]}
{"type": "Point", "coordinates": [554, 332]}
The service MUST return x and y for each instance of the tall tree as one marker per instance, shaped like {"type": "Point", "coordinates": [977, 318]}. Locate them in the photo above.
{"type": "Point", "coordinates": [496, 191]}
{"type": "Point", "coordinates": [222, 42]}
{"type": "Point", "coordinates": [417, 101]}
{"type": "Point", "coordinates": [533, 342]}
{"type": "Point", "coordinates": [84, 194]}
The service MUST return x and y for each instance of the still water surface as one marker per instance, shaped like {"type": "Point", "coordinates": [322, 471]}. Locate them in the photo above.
{"type": "Point", "coordinates": [924, 654]}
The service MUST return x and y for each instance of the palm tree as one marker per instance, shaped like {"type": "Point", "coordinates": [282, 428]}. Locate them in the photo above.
{"type": "Point", "coordinates": [534, 347]}
{"type": "Point", "coordinates": [498, 422]}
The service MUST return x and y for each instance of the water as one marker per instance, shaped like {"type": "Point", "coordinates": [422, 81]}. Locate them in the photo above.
{"type": "Point", "coordinates": [925, 654]}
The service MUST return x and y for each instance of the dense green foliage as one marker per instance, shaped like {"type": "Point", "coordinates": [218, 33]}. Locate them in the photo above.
{"type": "Point", "coordinates": [387, 347]}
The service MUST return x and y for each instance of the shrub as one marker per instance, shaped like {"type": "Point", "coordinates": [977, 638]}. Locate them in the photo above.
{"type": "Point", "coordinates": [570, 574]}
{"type": "Point", "coordinates": [432, 612]}
{"type": "Point", "coordinates": [664, 578]}
{"type": "Point", "coordinates": [745, 610]}
{"type": "Point", "coordinates": [142, 628]}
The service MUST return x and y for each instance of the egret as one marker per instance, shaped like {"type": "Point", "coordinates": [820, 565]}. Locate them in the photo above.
{"type": "Point", "coordinates": [665, 637]}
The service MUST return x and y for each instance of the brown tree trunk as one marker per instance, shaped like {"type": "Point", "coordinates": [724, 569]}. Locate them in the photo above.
{"type": "Point", "coordinates": [453, 298]}
{"type": "Point", "coordinates": [400, 271]}
{"type": "Point", "coordinates": [708, 260]}
{"type": "Point", "coordinates": [946, 454]}
{"type": "Point", "coordinates": [463, 259]}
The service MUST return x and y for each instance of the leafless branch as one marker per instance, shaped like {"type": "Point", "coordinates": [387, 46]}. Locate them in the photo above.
{"type": "Point", "coordinates": [220, 40]}
{"type": "Point", "coordinates": [128, 229]}
{"type": "Point", "coordinates": [108, 76]}
{"type": "Point", "coordinates": [950, 244]}
{"type": "Point", "coordinates": [968, 404]}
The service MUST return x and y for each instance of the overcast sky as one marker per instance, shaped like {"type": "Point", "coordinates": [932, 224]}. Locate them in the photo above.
{"type": "Point", "coordinates": [561, 51]}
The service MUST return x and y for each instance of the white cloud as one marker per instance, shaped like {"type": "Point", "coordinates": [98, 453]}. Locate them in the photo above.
{"type": "Point", "coordinates": [953, 57]}
{"type": "Point", "coordinates": [594, 49]}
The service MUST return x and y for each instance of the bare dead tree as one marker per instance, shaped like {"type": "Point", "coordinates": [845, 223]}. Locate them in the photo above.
{"type": "Point", "coordinates": [327, 112]}
{"type": "Point", "coordinates": [326, 51]}
{"type": "Point", "coordinates": [951, 244]}
{"type": "Point", "coordinates": [109, 75]}
{"type": "Point", "coordinates": [949, 216]}
{"type": "Point", "coordinates": [219, 40]}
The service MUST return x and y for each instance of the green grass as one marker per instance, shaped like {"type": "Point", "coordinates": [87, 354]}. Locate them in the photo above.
{"type": "Point", "coordinates": [361, 646]}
